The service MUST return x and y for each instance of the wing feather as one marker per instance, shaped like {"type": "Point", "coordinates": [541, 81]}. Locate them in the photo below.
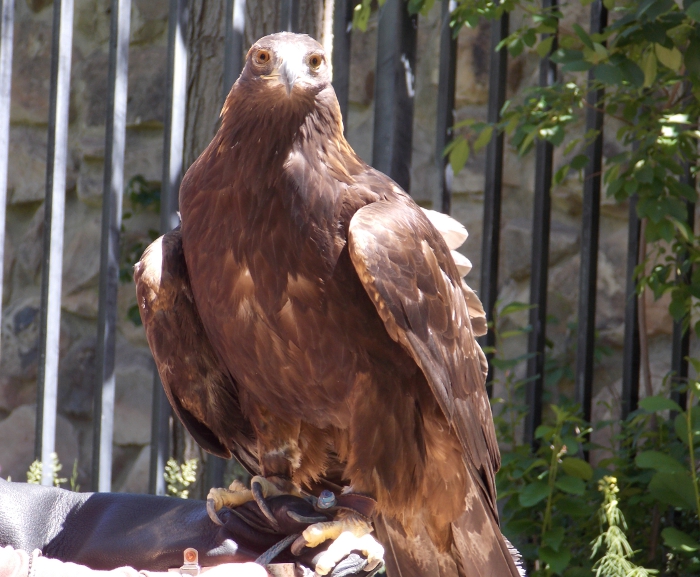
{"type": "Point", "coordinates": [204, 397]}
{"type": "Point", "coordinates": [425, 307]}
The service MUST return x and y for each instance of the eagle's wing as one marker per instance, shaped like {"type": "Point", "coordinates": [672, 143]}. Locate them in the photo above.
{"type": "Point", "coordinates": [408, 272]}
{"type": "Point", "coordinates": [204, 397]}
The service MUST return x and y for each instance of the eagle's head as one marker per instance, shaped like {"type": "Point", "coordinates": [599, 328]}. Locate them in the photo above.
{"type": "Point", "coordinates": [286, 64]}
{"type": "Point", "coordinates": [284, 95]}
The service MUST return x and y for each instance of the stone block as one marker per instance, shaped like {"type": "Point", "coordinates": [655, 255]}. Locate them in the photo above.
{"type": "Point", "coordinates": [473, 65]}
{"type": "Point", "coordinates": [26, 177]}
{"type": "Point", "coordinates": [146, 86]}
{"type": "Point", "coordinates": [76, 380]}
{"type": "Point", "coordinates": [134, 394]}
{"type": "Point", "coordinates": [90, 186]}
{"type": "Point", "coordinates": [91, 24]}
{"type": "Point", "coordinates": [143, 154]}
{"type": "Point", "coordinates": [38, 5]}
{"type": "Point", "coordinates": [362, 64]}
{"type": "Point", "coordinates": [517, 236]}
{"type": "Point", "coordinates": [136, 480]}
{"type": "Point", "coordinates": [81, 248]}
{"type": "Point", "coordinates": [31, 65]}
{"type": "Point", "coordinates": [17, 447]}
{"type": "Point", "coordinates": [29, 250]}
{"type": "Point", "coordinates": [20, 340]}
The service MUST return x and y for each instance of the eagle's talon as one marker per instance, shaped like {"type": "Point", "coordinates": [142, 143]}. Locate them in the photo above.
{"type": "Point", "coordinates": [259, 492]}
{"type": "Point", "coordinates": [237, 495]}
{"type": "Point", "coordinates": [211, 511]}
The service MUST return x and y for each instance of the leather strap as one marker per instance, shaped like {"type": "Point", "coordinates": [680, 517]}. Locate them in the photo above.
{"type": "Point", "coordinates": [357, 503]}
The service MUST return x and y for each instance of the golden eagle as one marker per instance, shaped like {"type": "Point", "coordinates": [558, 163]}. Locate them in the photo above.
{"type": "Point", "coordinates": [308, 318]}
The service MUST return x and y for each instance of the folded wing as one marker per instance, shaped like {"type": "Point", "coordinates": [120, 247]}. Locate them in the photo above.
{"type": "Point", "coordinates": [204, 397]}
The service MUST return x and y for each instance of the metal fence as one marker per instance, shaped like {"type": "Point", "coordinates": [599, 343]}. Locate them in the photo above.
{"type": "Point", "coordinates": [396, 47]}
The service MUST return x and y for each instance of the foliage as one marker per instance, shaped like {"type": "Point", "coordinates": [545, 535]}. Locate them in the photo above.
{"type": "Point", "coordinates": [34, 473]}
{"type": "Point", "coordinates": [179, 477]}
{"type": "Point", "coordinates": [616, 562]}
{"type": "Point", "coordinates": [645, 69]}
{"type": "Point", "coordinates": [547, 493]}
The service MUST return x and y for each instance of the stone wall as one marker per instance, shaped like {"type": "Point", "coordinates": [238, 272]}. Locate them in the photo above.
{"type": "Point", "coordinates": [147, 65]}
{"type": "Point", "coordinates": [25, 214]}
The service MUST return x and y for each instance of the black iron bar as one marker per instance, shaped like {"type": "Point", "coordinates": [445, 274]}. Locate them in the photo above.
{"type": "Point", "coordinates": [54, 213]}
{"type": "Point", "coordinates": [289, 15]}
{"type": "Point", "coordinates": [541, 221]}
{"type": "Point", "coordinates": [342, 35]}
{"type": "Point", "coordinates": [589, 234]}
{"type": "Point", "coordinates": [7, 16]}
{"type": "Point", "coordinates": [234, 43]}
{"type": "Point", "coordinates": [172, 175]}
{"type": "Point", "coordinates": [681, 338]}
{"type": "Point", "coordinates": [115, 139]}
{"type": "Point", "coordinates": [630, 351]}
{"type": "Point", "coordinates": [493, 184]}
{"type": "Point", "coordinates": [394, 91]}
{"type": "Point", "coordinates": [445, 106]}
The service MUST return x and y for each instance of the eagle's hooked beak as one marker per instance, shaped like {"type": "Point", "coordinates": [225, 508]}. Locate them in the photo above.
{"type": "Point", "coordinates": [289, 74]}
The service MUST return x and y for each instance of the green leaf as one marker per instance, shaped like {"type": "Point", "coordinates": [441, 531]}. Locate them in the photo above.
{"type": "Point", "coordinates": [631, 72]}
{"type": "Point", "coordinates": [572, 485]}
{"type": "Point", "coordinates": [554, 537]}
{"type": "Point", "coordinates": [577, 66]}
{"type": "Point", "coordinates": [679, 306]}
{"type": "Point", "coordinates": [649, 68]}
{"type": "Point", "coordinates": [514, 307]}
{"type": "Point", "coordinates": [459, 155]}
{"type": "Point", "coordinates": [693, 11]}
{"type": "Point", "coordinates": [681, 425]}
{"type": "Point", "coordinates": [608, 74]}
{"type": "Point", "coordinates": [560, 174]}
{"type": "Point", "coordinates": [577, 468]}
{"type": "Point", "coordinates": [659, 403]}
{"type": "Point", "coordinates": [574, 507]}
{"type": "Point", "coordinates": [483, 139]}
{"type": "Point", "coordinates": [677, 539]}
{"type": "Point", "coordinates": [530, 37]}
{"type": "Point", "coordinates": [658, 461]}
{"type": "Point", "coordinates": [670, 58]}
{"type": "Point", "coordinates": [361, 15]}
{"type": "Point", "coordinates": [515, 47]}
{"type": "Point", "coordinates": [533, 494]}
{"type": "Point", "coordinates": [692, 56]}
{"type": "Point", "coordinates": [583, 35]}
{"type": "Point", "coordinates": [544, 47]}
{"type": "Point", "coordinates": [579, 161]}
{"type": "Point", "coordinates": [675, 489]}
{"type": "Point", "coordinates": [557, 560]}
{"type": "Point", "coordinates": [563, 56]}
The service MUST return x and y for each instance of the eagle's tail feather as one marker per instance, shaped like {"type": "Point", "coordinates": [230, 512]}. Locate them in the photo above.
{"type": "Point", "coordinates": [491, 555]}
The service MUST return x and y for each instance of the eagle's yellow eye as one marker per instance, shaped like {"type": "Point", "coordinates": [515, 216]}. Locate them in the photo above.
{"type": "Point", "coordinates": [263, 56]}
{"type": "Point", "coordinates": [315, 60]}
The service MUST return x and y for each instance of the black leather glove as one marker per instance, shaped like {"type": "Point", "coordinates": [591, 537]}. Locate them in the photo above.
{"type": "Point", "coordinates": [109, 530]}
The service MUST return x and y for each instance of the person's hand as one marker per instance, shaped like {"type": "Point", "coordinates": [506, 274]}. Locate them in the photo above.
{"type": "Point", "coordinates": [236, 570]}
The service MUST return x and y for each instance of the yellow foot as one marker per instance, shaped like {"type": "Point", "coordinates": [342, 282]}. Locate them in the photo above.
{"type": "Point", "coordinates": [237, 495]}
{"type": "Point", "coordinates": [350, 533]}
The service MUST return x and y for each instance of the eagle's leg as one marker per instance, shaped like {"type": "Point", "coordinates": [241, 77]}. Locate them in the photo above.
{"type": "Point", "coordinates": [350, 532]}
{"type": "Point", "coordinates": [279, 458]}
{"type": "Point", "coordinates": [237, 494]}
